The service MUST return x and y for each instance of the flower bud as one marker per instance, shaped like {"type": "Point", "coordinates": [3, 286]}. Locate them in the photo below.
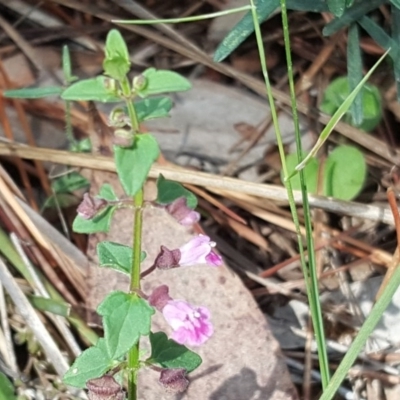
{"type": "Point", "coordinates": [167, 259]}
{"type": "Point", "coordinates": [110, 84]}
{"type": "Point", "coordinates": [118, 118]}
{"type": "Point", "coordinates": [123, 137]}
{"type": "Point", "coordinates": [139, 83]}
{"type": "Point", "coordinates": [174, 380]}
{"type": "Point", "coordinates": [182, 213]}
{"type": "Point", "coordinates": [104, 388]}
{"type": "Point", "coordinates": [90, 206]}
{"type": "Point", "coordinates": [160, 297]}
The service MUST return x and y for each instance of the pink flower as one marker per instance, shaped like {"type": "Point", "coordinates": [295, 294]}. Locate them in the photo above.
{"type": "Point", "coordinates": [182, 213]}
{"type": "Point", "coordinates": [191, 324]}
{"type": "Point", "coordinates": [199, 251]}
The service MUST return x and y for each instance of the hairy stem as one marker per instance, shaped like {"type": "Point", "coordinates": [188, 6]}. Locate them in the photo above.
{"type": "Point", "coordinates": [133, 356]}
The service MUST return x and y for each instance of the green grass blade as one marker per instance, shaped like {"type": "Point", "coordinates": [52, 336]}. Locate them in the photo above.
{"type": "Point", "coordinates": [396, 38]}
{"type": "Point", "coordinates": [310, 271]}
{"type": "Point", "coordinates": [336, 117]}
{"type": "Point", "coordinates": [380, 36]}
{"type": "Point", "coordinates": [354, 72]}
{"type": "Point", "coordinates": [337, 7]}
{"type": "Point", "coordinates": [352, 14]}
{"type": "Point", "coordinates": [245, 27]}
{"type": "Point", "coordinates": [362, 337]}
{"type": "Point", "coordinates": [180, 20]}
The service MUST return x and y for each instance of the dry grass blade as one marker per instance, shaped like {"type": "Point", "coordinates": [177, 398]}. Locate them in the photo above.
{"type": "Point", "coordinates": [10, 202]}
{"type": "Point", "coordinates": [263, 191]}
{"type": "Point", "coordinates": [29, 315]}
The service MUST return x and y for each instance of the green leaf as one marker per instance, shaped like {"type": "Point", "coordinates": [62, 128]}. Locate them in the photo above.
{"type": "Point", "coordinates": [168, 191]}
{"type": "Point", "coordinates": [96, 89]}
{"type": "Point", "coordinates": [396, 3]}
{"type": "Point", "coordinates": [153, 107]}
{"type": "Point", "coordinates": [310, 173]}
{"type": "Point", "coordinates": [116, 256]}
{"type": "Point", "coordinates": [134, 163]}
{"type": "Point", "coordinates": [117, 63]}
{"type": "Point", "coordinates": [92, 363]}
{"type": "Point", "coordinates": [107, 192]}
{"type": "Point", "coordinates": [337, 7]}
{"type": "Point", "coordinates": [126, 317]}
{"type": "Point", "coordinates": [7, 391]}
{"type": "Point", "coordinates": [61, 200]}
{"type": "Point", "coordinates": [33, 93]}
{"type": "Point", "coordinates": [382, 38]}
{"type": "Point", "coordinates": [337, 92]}
{"type": "Point", "coordinates": [170, 354]}
{"type": "Point", "coordinates": [340, 181]}
{"type": "Point", "coordinates": [355, 73]}
{"type": "Point", "coordinates": [352, 14]}
{"type": "Point", "coordinates": [102, 221]}
{"type": "Point", "coordinates": [50, 305]}
{"type": "Point", "coordinates": [395, 17]}
{"type": "Point", "coordinates": [81, 146]}
{"type": "Point", "coordinates": [163, 81]}
{"type": "Point", "coordinates": [69, 183]}
{"type": "Point", "coordinates": [244, 28]}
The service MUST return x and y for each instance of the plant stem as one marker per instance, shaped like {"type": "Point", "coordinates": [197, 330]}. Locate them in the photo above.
{"type": "Point", "coordinates": [137, 241]}
{"type": "Point", "coordinates": [309, 273]}
{"type": "Point", "coordinates": [133, 356]}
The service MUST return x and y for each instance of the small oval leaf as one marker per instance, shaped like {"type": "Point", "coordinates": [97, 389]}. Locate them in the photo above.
{"type": "Point", "coordinates": [94, 89]}
{"type": "Point", "coordinates": [163, 81]}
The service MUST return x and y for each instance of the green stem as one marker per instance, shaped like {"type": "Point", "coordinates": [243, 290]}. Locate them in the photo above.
{"type": "Point", "coordinates": [137, 241]}
{"type": "Point", "coordinates": [310, 272]}
{"type": "Point", "coordinates": [133, 356]}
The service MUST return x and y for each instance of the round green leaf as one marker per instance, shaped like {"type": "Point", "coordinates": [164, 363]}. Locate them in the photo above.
{"type": "Point", "coordinates": [310, 173]}
{"type": "Point", "coordinates": [168, 191]}
{"type": "Point", "coordinates": [345, 172]}
{"type": "Point", "coordinates": [163, 81]}
{"type": "Point", "coordinates": [337, 92]}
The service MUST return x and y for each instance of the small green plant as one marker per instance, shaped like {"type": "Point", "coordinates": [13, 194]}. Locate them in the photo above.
{"type": "Point", "coordinates": [127, 315]}
{"type": "Point", "coordinates": [371, 103]}
{"type": "Point", "coordinates": [338, 180]}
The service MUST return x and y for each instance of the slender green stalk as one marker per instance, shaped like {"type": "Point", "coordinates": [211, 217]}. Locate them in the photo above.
{"type": "Point", "coordinates": [187, 19]}
{"type": "Point", "coordinates": [137, 241]}
{"type": "Point", "coordinates": [362, 336]}
{"type": "Point", "coordinates": [133, 356]}
{"type": "Point", "coordinates": [310, 272]}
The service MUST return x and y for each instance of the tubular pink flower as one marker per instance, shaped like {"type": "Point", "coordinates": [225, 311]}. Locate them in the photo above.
{"type": "Point", "coordinates": [199, 251]}
{"type": "Point", "coordinates": [191, 324]}
{"type": "Point", "coordinates": [182, 213]}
